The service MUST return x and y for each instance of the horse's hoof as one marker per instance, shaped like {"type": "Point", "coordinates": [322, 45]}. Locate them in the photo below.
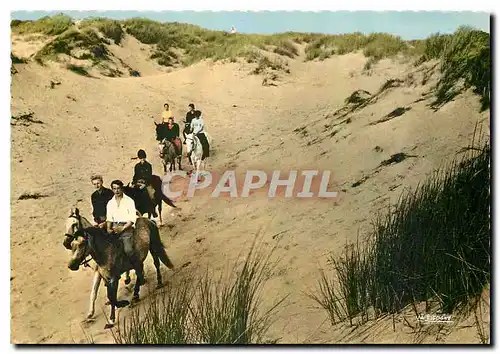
{"type": "Point", "coordinates": [122, 303]}
{"type": "Point", "coordinates": [109, 325]}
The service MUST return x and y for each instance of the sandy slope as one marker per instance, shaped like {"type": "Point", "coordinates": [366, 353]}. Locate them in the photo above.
{"type": "Point", "coordinates": [96, 125]}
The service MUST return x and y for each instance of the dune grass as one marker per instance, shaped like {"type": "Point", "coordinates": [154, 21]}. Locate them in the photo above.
{"type": "Point", "coordinates": [206, 309]}
{"type": "Point", "coordinates": [375, 45]}
{"type": "Point", "coordinates": [111, 29]}
{"type": "Point", "coordinates": [87, 40]}
{"type": "Point", "coordinates": [49, 25]}
{"type": "Point", "coordinates": [465, 55]}
{"type": "Point", "coordinates": [466, 59]}
{"type": "Point", "coordinates": [433, 248]}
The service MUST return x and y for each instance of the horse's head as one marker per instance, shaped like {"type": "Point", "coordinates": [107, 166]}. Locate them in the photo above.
{"type": "Point", "coordinates": [161, 147]}
{"type": "Point", "coordinates": [75, 239]}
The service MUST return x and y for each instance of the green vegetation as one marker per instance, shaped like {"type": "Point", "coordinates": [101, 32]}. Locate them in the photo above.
{"type": "Point", "coordinates": [433, 248]}
{"type": "Point", "coordinates": [375, 45]}
{"type": "Point", "coordinates": [67, 43]}
{"type": "Point", "coordinates": [465, 55]}
{"type": "Point", "coordinates": [466, 60]}
{"type": "Point", "coordinates": [111, 29]}
{"type": "Point", "coordinates": [47, 25]}
{"type": "Point", "coordinates": [209, 309]}
{"type": "Point", "coordinates": [77, 69]}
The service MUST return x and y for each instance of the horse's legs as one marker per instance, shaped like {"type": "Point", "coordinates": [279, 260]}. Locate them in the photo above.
{"type": "Point", "coordinates": [112, 294]}
{"type": "Point", "coordinates": [159, 203]}
{"type": "Point", "coordinates": [93, 294]}
{"type": "Point", "coordinates": [140, 281]}
{"type": "Point", "coordinates": [156, 261]}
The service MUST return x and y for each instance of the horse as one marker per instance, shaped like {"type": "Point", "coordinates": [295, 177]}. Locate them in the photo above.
{"type": "Point", "coordinates": [143, 202]}
{"type": "Point", "coordinates": [83, 240]}
{"type": "Point", "coordinates": [195, 148]}
{"type": "Point", "coordinates": [168, 154]}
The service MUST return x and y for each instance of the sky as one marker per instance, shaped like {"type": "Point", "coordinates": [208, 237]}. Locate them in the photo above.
{"type": "Point", "coordinates": [406, 24]}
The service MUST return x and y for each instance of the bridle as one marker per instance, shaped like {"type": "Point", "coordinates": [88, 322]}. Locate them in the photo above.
{"type": "Point", "coordinates": [164, 143]}
{"type": "Point", "coordinates": [78, 233]}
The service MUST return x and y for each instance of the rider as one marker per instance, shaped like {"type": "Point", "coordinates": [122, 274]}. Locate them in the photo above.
{"type": "Point", "coordinates": [144, 171]}
{"type": "Point", "coordinates": [167, 113]}
{"type": "Point", "coordinates": [189, 117]}
{"type": "Point", "coordinates": [198, 126]}
{"type": "Point", "coordinates": [172, 133]}
{"type": "Point", "coordinates": [120, 219]}
{"type": "Point", "coordinates": [100, 199]}
{"type": "Point", "coordinates": [161, 127]}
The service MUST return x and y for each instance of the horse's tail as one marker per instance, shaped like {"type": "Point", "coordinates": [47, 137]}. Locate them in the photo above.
{"type": "Point", "coordinates": [157, 247]}
{"type": "Point", "coordinates": [167, 200]}
{"type": "Point", "coordinates": [157, 184]}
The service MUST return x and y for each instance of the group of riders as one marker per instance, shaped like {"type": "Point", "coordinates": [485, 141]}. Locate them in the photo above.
{"type": "Point", "coordinates": [194, 124]}
{"type": "Point", "coordinates": [115, 211]}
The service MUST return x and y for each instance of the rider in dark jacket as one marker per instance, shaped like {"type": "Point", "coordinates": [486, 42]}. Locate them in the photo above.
{"type": "Point", "coordinates": [189, 117]}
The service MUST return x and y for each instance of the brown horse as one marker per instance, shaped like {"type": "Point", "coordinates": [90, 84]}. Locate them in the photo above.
{"type": "Point", "coordinates": [83, 240]}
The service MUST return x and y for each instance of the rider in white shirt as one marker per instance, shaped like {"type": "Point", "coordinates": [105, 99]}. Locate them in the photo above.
{"type": "Point", "coordinates": [120, 218]}
{"type": "Point", "coordinates": [197, 128]}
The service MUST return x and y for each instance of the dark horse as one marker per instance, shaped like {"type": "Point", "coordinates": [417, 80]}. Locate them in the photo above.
{"type": "Point", "coordinates": [107, 251]}
{"type": "Point", "coordinates": [143, 202]}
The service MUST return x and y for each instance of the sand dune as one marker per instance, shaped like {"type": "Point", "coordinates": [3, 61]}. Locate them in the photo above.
{"type": "Point", "coordinates": [96, 125]}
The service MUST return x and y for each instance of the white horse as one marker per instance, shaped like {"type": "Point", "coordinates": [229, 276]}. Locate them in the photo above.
{"type": "Point", "coordinates": [196, 149]}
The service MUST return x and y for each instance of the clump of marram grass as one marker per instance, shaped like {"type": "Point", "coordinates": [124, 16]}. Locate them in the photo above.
{"type": "Point", "coordinates": [86, 39]}
{"type": "Point", "coordinates": [111, 29]}
{"type": "Point", "coordinates": [376, 45]}
{"type": "Point", "coordinates": [466, 58]}
{"type": "Point", "coordinates": [433, 248]}
{"type": "Point", "coordinates": [207, 309]}
{"type": "Point", "coordinates": [49, 25]}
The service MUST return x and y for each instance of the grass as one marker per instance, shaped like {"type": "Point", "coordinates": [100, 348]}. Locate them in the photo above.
{"type": "Point", "coordinates": [433, 248]}
{"type": "Point", "coordinates": [48, 25]}
{"type": "Point", "coordinates": [16, 60]}
{"type": "Point", "coordinates": [375, 45]}
{"type": "Point", "coordinates": [464, 55]}
{"type": "Point", "coordinates": [207, 309]}
{"type": "Point", "coordinates": [87, 40]}
{"type": "Point", "coordinates": [77, 69]}
{"type": "Point", "coordinates": [466, 59]}
{"type": "Point", "coordinates": [111, 29]}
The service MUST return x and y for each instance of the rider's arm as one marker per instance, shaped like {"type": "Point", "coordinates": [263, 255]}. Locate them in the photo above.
{"type": "Point", "coordinates": [131, 213]}
{"type": "Point", "coordinates": [109, 217]}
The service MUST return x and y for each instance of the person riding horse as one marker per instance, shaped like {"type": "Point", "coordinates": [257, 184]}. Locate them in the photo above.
{"type": "Point", "coordinates": [162, 126]}
{"type": "Point", "coordinates": [120, 219]}
{"type": "Point", "coordinates": [190, 115]}
{"type": "Point", "coordinates": [197, 128]}
{"type": "Point", "coordinates": [171, 134]}
{"type": "Point", "coordinates": [100, 199]}
{"type": "Point", "coordinates": [143, 171]}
